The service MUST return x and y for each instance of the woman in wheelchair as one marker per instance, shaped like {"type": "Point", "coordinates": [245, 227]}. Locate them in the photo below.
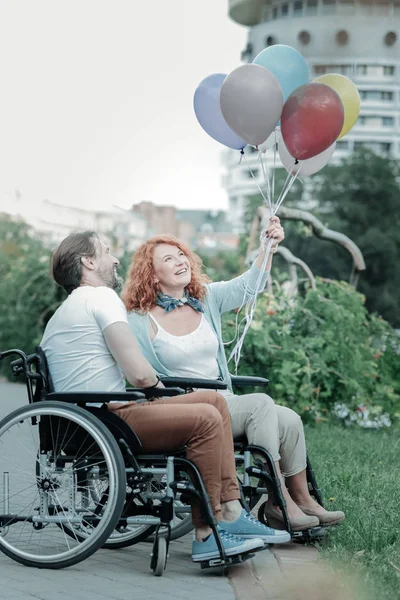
{"type": "Point", "coordinates": [89, 346]}
{"type": "Point", "coordinates": [175, 313]}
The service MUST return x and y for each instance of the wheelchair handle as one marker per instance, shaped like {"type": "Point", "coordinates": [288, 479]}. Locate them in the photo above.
{"type": "Point", "coordinates": [11, 352]}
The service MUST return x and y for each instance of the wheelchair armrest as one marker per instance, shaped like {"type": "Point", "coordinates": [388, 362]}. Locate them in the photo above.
{"type": "Point", "coordinates": [157, 392]}
{"type": "Point", "coordinates": [95, 397]}
{"type": "Point", "coordinates": [193, 382]}
{"type": "Point", "coordinates": [249, 381]}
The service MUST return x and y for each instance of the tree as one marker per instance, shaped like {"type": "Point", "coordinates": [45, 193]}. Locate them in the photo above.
{"type": "Point", "coordinates": [361, 198]}
{"type": "Point", "coordinates": [28, 295]}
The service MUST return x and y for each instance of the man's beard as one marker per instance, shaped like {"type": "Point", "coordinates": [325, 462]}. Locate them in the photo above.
{"type": "Point", "coordinates": [111, 279]}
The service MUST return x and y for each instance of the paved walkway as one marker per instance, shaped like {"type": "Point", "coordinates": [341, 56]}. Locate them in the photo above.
{"type": "Point", "coordinates": [125, 574]}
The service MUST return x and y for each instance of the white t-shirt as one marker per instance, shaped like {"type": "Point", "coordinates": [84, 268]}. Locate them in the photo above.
{"type": "Point", "coordinates": [77, 354]}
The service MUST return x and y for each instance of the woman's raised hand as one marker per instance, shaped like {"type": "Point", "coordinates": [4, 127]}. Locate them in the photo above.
{"type": "Point", "coordinates": [275, 231]}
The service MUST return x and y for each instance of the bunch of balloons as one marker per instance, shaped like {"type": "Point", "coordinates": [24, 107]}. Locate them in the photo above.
{"type": "Point", "coordinates": [246, 106]}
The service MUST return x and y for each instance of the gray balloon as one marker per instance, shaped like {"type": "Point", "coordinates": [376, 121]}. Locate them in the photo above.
{"type": "Point", "coordinates": [251, 101]}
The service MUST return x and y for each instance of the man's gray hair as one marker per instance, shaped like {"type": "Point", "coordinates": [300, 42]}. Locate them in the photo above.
{"type": "Point", "coordinates": [66, 264]}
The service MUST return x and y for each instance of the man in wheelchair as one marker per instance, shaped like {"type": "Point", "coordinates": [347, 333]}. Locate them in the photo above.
{"type": "Point", "coordinates": [89, 347]}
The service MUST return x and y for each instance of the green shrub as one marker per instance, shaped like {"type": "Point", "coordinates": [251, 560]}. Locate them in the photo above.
{"type": "Point", "coordinates": [321, 350]}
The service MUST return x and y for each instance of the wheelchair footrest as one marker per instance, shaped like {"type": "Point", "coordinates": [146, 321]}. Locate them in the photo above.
{"type": "Point", "coordinates": [230, 560]}
{"type": "Point", "coordinates": [309, 535]}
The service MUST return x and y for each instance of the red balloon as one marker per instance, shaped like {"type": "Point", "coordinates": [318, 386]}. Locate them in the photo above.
{"type": "Point", "coordinates": [312, 119]}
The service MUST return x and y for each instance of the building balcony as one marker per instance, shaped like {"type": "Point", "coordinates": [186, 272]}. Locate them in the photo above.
{"type": "Point", "coordinates": [246, 12]}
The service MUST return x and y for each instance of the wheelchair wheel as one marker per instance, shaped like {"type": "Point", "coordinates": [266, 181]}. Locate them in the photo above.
{"type": "Point", "coordinates": [159, 558]}
{"type": "Point", "coordinates": [181, 526]}
{"type": "Point", "coordinates": [133, 534]}
{"type": "Point", "coordinates": [52, 456]}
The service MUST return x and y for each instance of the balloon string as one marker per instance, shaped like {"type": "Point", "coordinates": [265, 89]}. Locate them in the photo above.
{"type": "Point", "coordinates": [255, 179]}
{"type": "Point", "coordinates": [264, 168]}
{"type": "Point", "coordinates": [250, 297]}
{"type": "Point", "coordinates": [250, 308]}
{"type": "Point", "coordinates": [273, 172]}
{"type": "Point", "coordinates": [289, 185]}
{"type": "Point", "coordinates": [289, 175]}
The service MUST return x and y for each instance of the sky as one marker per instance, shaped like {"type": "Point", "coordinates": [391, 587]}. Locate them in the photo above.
{"type": "Point", "coordinates": [96, 101]}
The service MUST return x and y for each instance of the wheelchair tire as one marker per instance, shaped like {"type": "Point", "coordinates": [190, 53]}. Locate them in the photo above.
{"type": "Point", "coordinates": [159, 558]}
{"type": "Point", "coordinates": [184, 527]}
{"type": "Point", "coordinates": [46, 432]}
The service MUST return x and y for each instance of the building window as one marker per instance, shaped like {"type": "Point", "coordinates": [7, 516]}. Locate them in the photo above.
{"type": "Point", "coordinates": [361, 69]}
{"type": "Point", "coordinates": [248, 174]}
{"type": "Point", "coordinates": [376, 95]}
{"type": "Point", "coordinates": [328, 7]}
{"type": "Point", "coordinates": [390, 38]}
{"type": "Point", "coordinates": [304, 37]}
{"type": "Point", "coordinates": [388, 71]}
{"type": "Point", "coordinates": [375, 121]}
{"type": "Point", "coordinates": [342, 37]}
{"type": "Point", "coordinates": [378, 147]}
{"type": "Point", "coordinates": [284, 10]}
{"type": "Point", "coordinates": [342, 69]}
{"type": "Point", "coordinates": [247, 52]}
{"type": "Point", "coordinates": [298, 8]}
{"type": "Point", "coordinates": [312, 7]}
{"type": "Point", "coordinates": [270, 41]}
{"type": "Point", "coordinates": [342, 145]}
{"type": "Point", "coordinates": [275, 13]}
{"type": "Point", "coordinates": [347, 6]}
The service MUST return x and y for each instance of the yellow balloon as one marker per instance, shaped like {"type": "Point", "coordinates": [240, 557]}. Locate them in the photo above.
{"type": "Point", "coordinates": [349, 96]}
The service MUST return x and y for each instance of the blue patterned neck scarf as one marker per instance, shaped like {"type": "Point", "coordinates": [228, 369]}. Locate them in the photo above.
{"type": "Point", "coordinates": [168, 303]}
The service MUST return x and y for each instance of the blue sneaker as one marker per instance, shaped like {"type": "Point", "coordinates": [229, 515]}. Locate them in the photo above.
{"type": "Point", "coordinates": [232, 544]}
{"type": "Point", "coordinates": [248, 527]}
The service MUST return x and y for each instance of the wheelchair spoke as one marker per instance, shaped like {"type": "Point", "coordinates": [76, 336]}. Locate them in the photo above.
{"type": "Point", "coordinates": [55, 457]}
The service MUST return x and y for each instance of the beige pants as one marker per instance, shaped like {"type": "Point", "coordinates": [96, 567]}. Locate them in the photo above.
{"type": "Point", "coordinates": [276, 428]}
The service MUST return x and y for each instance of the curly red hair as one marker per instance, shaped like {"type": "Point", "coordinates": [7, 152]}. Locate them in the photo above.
{"type": "Point", "coordinates": [140, 292]}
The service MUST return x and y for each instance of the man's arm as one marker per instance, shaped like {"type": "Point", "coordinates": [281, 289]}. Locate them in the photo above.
{"type": "Point", "coordinates": [123, 346]}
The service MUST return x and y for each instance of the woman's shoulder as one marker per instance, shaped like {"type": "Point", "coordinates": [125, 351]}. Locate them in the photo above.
{"type": "Point", "coordinates": [136, 316]}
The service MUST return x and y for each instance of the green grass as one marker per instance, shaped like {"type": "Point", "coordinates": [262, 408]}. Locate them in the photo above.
{"type": "Point", "coordinates": [361, 471]}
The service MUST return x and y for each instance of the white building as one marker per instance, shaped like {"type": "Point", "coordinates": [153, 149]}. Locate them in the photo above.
{"type": "Point", "coordinates": [357, 38]}
{"type": "Point", "coordinates": [122, 229]}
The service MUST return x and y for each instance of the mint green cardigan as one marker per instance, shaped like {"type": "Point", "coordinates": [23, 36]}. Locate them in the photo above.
{"type": "Point", "coordinates": [221, 297]}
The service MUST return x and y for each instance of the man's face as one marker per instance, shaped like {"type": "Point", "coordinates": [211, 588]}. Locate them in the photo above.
{"type": "Point", "coordinates": [106, 266]}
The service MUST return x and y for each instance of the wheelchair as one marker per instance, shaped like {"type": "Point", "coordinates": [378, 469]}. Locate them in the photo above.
{"type": "Point", "coordinates": [256, 471]}
{"type": "Point", "coordinates": [75, 478]}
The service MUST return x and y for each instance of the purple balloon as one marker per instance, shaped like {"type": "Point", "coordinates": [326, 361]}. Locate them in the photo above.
{"type": "Point", "coordinates": [208, 112]}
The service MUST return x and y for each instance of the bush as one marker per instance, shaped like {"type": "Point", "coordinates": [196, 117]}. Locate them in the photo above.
{"type": "Point", "coordinates": [321, 350]}
{"type": "Point", "coordinates": [28, 295]}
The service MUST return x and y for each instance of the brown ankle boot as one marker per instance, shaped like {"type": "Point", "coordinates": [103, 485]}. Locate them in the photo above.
{"type": "Point", "coordinates": [275, 520]}
{"type": "Point", "coordinates": [328, 518]}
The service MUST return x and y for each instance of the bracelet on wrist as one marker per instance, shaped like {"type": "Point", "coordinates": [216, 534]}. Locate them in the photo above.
{"type": "Point", "coordinates": [156, 383]}
{"type": "Point", "coordinates": [274, 249]}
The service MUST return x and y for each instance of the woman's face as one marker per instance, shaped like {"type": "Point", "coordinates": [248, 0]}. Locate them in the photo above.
{"type": "Point", "coordinates": [171, 267]}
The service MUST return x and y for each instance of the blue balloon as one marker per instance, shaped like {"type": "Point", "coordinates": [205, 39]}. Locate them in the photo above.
{"type": "Point", "coordinates": [208, 112]}
{"type": "Point", "coordinates": [288, 66]}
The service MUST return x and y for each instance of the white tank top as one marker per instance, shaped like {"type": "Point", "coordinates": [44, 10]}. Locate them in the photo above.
{"type": "Point", "coordinates": [191, 355]}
